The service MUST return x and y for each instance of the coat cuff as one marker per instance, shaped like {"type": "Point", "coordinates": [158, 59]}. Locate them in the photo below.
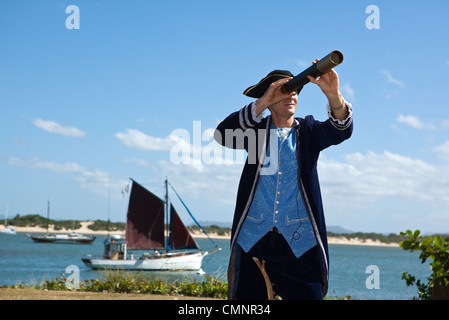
{"type": "Point", "coordinates": [339, 124]}
{"type": "Point", "coordinates": [247, 116]}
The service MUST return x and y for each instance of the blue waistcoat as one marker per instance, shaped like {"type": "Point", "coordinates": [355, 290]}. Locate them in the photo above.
{"type": "Point", "coordinates": [278, 202]}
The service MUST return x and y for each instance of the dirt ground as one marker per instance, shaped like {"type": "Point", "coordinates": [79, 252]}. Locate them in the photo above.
{"type": "Point", "coordinates": [33, 294]}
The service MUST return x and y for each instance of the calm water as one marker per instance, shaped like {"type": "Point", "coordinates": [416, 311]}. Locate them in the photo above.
{"type": "Point", "coordinates": [22, 260]}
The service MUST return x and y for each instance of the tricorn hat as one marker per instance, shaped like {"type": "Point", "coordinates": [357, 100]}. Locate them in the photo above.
{"type": "Point", "coordinates": [259, 89]}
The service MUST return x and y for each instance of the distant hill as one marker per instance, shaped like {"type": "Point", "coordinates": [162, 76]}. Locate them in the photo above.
{"type": "Point", "coordinates": [338, 229]}
{"type": "Point", "coordinates": [207, 223]}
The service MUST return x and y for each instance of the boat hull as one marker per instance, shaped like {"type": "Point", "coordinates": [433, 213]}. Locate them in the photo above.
{"type": "Point", "coordinates": [44, 239]}
{"type": "Point", "coordinates": [175, 262]}
{"type": "Point", "coordinates": [8, 231]}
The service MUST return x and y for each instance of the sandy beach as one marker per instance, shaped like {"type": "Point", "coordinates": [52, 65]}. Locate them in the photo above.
{"type": "Point", "coordinates": [85, 230]}
{"type": "Point", "coordinates": [359, 242]}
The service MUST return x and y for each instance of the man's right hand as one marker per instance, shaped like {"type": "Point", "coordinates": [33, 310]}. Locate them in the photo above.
{"type": "Point", "coordinates": [273, 95]}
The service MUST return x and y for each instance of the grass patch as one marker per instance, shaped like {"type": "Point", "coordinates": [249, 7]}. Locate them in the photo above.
{"type": "Point", "coordinates": [114, 281]}
{"type": "Point", "coordinates": [139, 283]}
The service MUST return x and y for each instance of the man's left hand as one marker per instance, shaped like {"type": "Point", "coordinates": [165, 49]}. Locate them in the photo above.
{"type": "Point", "coordinates": [329, 84]}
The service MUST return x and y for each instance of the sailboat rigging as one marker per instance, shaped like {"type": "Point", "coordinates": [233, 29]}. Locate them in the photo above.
{"type": "Point", "coordinates": [71, 238]}
{"type": "Point", "coordinates": [152, 224]}
{"type": "Point", "coordinates": [7, 230]}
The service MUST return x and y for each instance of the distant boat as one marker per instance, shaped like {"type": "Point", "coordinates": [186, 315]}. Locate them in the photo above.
{"type": "Point", "coordinates": [146, 230]}
{"type": "Point", "coordinates": [7, 230]}
{"type": "Point", "coordinates": [71, 238]}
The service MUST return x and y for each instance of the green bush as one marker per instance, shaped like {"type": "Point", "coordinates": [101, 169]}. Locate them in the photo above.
{"type": "Point", "coordinates": [129, 282]}
{"type": "Point", "coordinates": [103, 225]}
{"type": "Point", "coordinates": [437, 250]}
{"type": "Point", "coordinates": [35, 220]}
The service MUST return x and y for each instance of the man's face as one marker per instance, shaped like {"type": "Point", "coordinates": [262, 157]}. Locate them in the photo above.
{"type": "Point", "coordinates": [285, 108]}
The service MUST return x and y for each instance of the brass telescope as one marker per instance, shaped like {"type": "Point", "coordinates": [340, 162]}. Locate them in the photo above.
{"type": "Point", "coordinates": [329, 62]}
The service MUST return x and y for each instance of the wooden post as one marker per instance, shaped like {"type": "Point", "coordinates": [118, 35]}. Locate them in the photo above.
{"type": "Point", "coordinates": [270, 291]}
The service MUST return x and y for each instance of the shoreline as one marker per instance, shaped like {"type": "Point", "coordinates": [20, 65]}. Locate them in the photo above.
{"type": "Point", "coordinates": [85, 230]}
{"type": "Point", "coordinates": [82, 230]}
{"type": "Point", "coordinates": [360, 242]}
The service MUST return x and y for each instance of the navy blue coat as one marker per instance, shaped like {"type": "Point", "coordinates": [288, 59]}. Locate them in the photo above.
{"type": "Point", "coordinates": [241, 131]}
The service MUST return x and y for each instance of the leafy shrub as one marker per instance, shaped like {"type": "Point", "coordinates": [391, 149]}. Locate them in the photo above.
{"type": "Point", "coordinates": [122, 282]}
{"type": "Point", "coordinates": [437, 250]}
{"type": "Point", "coordinates": [103, 225]}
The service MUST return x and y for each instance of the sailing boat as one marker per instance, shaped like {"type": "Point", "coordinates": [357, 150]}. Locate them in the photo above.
{"type": "Point", "coordinates": [7, 230]}
{"type": "Point", "coordinates": [145, 230]}
{"type": "Point", "coordinates": [71, 238]}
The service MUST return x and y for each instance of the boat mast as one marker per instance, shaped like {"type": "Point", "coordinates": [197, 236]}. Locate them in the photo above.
{"type": "Point", "coordinates": [48, 213]}
{"type": "Point", "coordinates": [109, 207]}
{"type": "Point", "coordinates": [6, 215]}
{"type": "Point", "coordinates": [166, 227]}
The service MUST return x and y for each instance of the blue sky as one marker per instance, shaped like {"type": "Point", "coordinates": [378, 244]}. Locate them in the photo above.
{"type": "Point", "coordinates": [83, 110]}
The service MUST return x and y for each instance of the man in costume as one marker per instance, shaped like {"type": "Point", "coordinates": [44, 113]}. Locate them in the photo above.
{"type": "Point", "coordinates": [279, 219]}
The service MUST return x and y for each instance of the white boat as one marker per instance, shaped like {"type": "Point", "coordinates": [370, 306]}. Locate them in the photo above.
{"type": "Point", "coordinates": [116, 251]}
{"type": "Point", "coordinates": [7, 230]}
{"type": "Point", "coordinates": [145, 230]}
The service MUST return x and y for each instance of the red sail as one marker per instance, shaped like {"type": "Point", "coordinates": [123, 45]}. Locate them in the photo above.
{"type": "Point", "coordinates": [180, 237]}
{"type": "Point", "coordinates": [145, 221]}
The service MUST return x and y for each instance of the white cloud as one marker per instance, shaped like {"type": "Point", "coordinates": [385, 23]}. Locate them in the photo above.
{"type": "Point", "coordinates": [216, 183]}
{"type": "Point", "coordinates": [54, 127]}
{"type": "Point", "coordinates": [390, 79]}
{"type": "Point", "coordinates": [348, 91]}
{"type": "Point", "coordinates": [443, 150]}
{"type": "Point", "coordinates": [184, 147]}
{"type": "Point", "coordinates": [136, 139]}
{"type": "Point", "coordinates": [36, 163]}
{"type": "Point", "coordinates": [96, 181]}
{"type": "Point", "coordinates": [414, 122]}
{"type": "Point", "coordinates": [350, 188]}
{"type": "Point", "coordinates": [177, 142]}
{"type": "Point", "coordinates": [366, 177]}
{"type": "Point", "coordinates": [370, 177]}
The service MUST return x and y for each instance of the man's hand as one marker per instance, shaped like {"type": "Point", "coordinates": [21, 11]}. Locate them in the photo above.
{"type": "Point", "coordinates": [329, 84]}
{"type": "Point", "coordinates": [273, 95]}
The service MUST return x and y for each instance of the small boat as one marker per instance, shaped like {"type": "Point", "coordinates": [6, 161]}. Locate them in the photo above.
{"type": "Point", "coordinates": [146, 230]}
{"type": "Point", "coordinates": [71, 238]}
{"type": "Point", "coordinates": [7, 230]}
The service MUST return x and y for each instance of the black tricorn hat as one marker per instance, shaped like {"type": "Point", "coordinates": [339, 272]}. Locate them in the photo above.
{"type": "Point", "coordinates": [259, 89]}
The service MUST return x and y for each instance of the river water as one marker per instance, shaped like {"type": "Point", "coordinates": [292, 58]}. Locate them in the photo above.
{"type": "Point", "coordinates": [363, 272]}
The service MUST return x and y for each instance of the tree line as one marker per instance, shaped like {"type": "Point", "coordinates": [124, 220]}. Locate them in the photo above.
{"type": "Point", "coordinates": [35, 220]}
